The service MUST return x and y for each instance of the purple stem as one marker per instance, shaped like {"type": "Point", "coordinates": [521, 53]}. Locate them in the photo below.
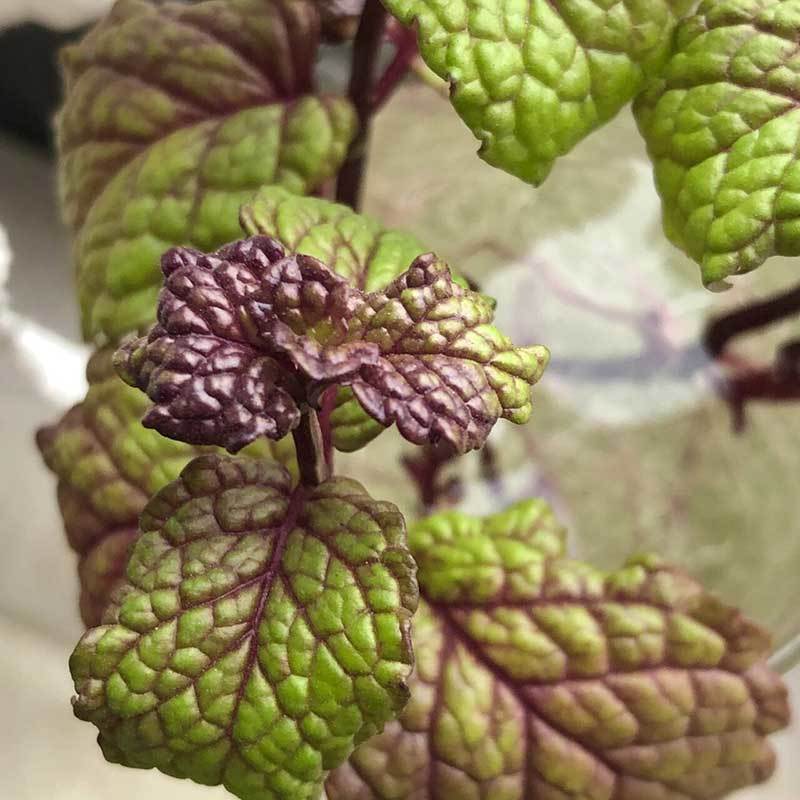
{"type": "Point", "coordinates": [366, 49]}
{"type": "Point", "coordinates": [327, 406]}
{"type": "Point", "coordinates": [425, 470]}
{"type": "Point", "coordinates": [310, 450]}
{"type": "Point", "coordinates": [405, 43]}
{"type": "Point", "coordinates": [752, 317]}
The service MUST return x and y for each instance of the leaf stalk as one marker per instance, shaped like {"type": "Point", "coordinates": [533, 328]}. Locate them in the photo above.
{"type": "Point", "coordinates": [310, 449]}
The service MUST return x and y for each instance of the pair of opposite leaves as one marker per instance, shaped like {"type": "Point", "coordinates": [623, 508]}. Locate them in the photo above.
{"type": "Point", "coordinates": [262, 634]}
{"type": "Point", "coordinates": [176, 114]}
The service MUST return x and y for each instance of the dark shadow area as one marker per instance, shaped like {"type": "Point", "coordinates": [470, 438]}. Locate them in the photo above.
{"type": "Point", "coordinates": [30, 86]}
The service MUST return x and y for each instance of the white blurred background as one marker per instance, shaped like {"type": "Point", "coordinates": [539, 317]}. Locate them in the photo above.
{"type": "Point", "coordinates": [53, 13]}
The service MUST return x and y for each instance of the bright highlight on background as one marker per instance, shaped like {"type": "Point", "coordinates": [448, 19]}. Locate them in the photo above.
{"type": "Point", "coordinates": [53, 13]}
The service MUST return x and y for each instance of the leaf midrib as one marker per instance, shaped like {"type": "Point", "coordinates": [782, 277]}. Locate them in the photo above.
{"type": "Point", "coordinates": [267, 581]}
{"type": "Point", "coordinates": [452, 627]}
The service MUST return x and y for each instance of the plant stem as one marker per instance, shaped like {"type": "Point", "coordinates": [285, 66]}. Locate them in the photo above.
{"type": "Point", "coordinates": [766, 384]}
{"type": "Point", "coordinates": [425, 469]}
{"type": "Point", "coordinates": [327, 407]}
{"type": "Point", "coordinates": [406, 51]}
{"type": "Point", "coordinates": [776, 383]}
{"type": "Point", "coordinates": [309, 447]}
{"type": "Point", "coordinates": [366, 49]}
{"type": "Point", "coordinates": [752, 317]}
{"type": "Point", "coordinates": [490, 472]}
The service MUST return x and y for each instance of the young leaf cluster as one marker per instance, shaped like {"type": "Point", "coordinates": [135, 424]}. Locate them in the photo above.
{"type": "Point", "coordinates": [249, 337]}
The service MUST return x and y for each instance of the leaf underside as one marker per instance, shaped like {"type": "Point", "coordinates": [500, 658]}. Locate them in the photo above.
{"type": "Point", "coordinates": [262, 632]}
{"type": "Point", "coordinates": [541, 677]}
{"type": "Point", "coordinates": [248, 336]}
{"type": "Point", "coordinates": [175, 114]}
{"type": "Point", "coordinates": [722, 126]}
{"type": "Point", "coordinates": [532, 79]}
{"type": "Point", "coordinates": [108, 466]}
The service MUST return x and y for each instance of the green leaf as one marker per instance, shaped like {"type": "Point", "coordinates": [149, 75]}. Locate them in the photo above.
{"type": "Point", "coordinates": [531, 79]}
{"type": "Point", "coordinates": [351, 427]}
{"type": "Point", "coordinates": [263, 631]}
{"type": "Point", "coordinates": [247, 336]}
{"type": "Point", "coordinates": [108, 466]}
{"type": "Point", "coordinates": [355, 246]}
{"type": "Point", "coordinates": [723, 129]}
{"type": "Point", "coordinates": [538, 677]}
{"type": "Point", "coordinates": [175, 114]}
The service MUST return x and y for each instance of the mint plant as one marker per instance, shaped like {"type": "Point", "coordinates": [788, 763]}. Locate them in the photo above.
{"type": "Point", "coordinates": [249, 613]}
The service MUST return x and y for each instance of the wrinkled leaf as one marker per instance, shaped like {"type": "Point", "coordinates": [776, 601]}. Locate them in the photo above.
{"type": "Point", "coordinates": [422, 353]}
{"type": "Point", "coordinates": [533, 79]}
{"type": "Point", "coordinates": [262, 632]}
{"type": "Point", "coordinates": [722, 127]}
{"type": "Point", "coordinates": [108, 466]}
{"type": "Point", "coordinates": [541, 677]}
{"type": "Point", "coordinates": [175, 114]}
{"type": "Point", "coordinates": [211, 391]}
{"type": "Point", "coordinates": [355, 246]}
{"type": "Point", "coordinates": [445, 373]}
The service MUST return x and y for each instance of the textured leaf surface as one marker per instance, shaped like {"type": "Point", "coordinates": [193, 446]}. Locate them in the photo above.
{"type": "Point", "coordinates": [532, 79]}
{"type": "Point", "coordinates": [541, 677]}
{"type": "Point", "coordinates": [422, 353]}
{"type": "Point", "coordinates": [262, 632]}
{"type": "Point", "coordinates": [355, 246]}
{"type": "Point", "coordinates": [445, 373]}
{"type": "Point", "coordinates": [108, 466]}
{"type": "Point", "coordinates": [211, 391]}
{"type": "Point", "coordinates": [174, 116]}
{"type": "Point", "coordinates": [723, 127]}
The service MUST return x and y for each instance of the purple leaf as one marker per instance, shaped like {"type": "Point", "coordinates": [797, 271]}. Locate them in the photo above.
{"type": "Point", "coordinates": [208, 390]}
{"type": "Point", "coordinates": [446, 373]}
